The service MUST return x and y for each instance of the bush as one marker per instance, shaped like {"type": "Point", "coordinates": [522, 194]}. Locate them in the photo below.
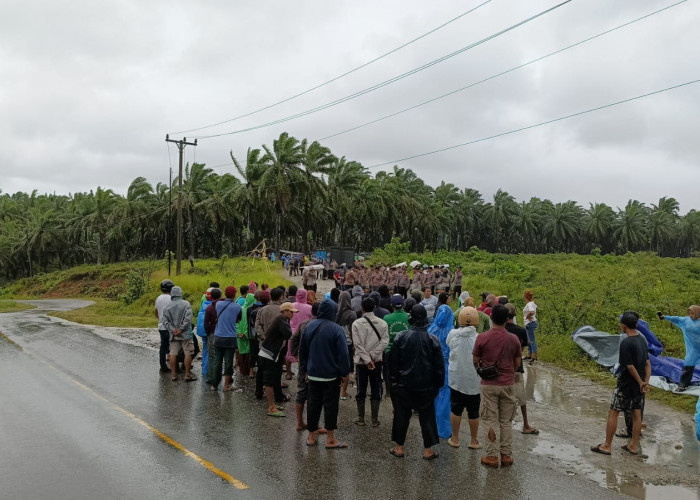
{"type": "Point", "coordinates": [137, 284]}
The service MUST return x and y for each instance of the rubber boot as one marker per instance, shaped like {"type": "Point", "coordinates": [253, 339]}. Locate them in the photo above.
{"type": "Point", "coordinates": [686, 376]}
{"type": "Point", "coordinates": [360, 412]}
{"type": "Point", "coordinates": [375, 411]}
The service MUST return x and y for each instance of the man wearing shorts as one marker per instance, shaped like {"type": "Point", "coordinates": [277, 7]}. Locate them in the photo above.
{"type": "Point", "coordinates": [632, 385]}
{"type": "Point", "coordinates": [177, 320]}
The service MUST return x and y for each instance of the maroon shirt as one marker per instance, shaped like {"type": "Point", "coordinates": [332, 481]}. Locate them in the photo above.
{"type": "Point", "coordinates": [500, 347]}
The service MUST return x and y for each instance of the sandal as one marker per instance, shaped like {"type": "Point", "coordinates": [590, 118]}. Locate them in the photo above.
{"type": "Point", "coordinates": [452, 443]}
{"type": "Point", "coordinates": [596, 449]}
{"type": "Point", "coordinates": [276, 414]}
{"type": "Point", "coordinates": [395, 453]}
{"type": "Point", "coordinates": [531, 431]}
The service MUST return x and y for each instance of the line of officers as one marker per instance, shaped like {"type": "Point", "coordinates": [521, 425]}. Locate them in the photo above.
{"type": "Point", "coordinates": [439, 278]}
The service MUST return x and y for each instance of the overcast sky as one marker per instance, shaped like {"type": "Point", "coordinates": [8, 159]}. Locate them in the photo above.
{"type": "Point", "coordinates": [89, 90]}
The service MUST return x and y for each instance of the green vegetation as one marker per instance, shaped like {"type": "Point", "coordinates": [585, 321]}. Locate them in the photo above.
{"type": "Point", "coordinates": [8, 306]}
{"type": "Point", "coordinates": [575, 290]}
{"type": "Point", "coordinates": [124, 293]}
{"type": "Point", "coordinates": [301, 197]}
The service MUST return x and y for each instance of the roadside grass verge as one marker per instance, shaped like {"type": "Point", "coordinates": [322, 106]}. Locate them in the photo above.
{"type": "Point", "coordinates": [9, 306]}
{"type": "Point", "coordinates": [108, 286]}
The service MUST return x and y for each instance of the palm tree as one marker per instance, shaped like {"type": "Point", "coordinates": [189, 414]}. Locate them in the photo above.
{"type": "Point", "coordinates": [316, 159]}
{"type": "Point", "coordinates": [599, 225]}
{"type": "Point", "coordinates": [281, 179]}
{"type": "Point", "coordinates": [630, 233]}
{"type": "Point", "coordinates": [250, 196]}
{"type": "Point", "coordinates": [663, 220]}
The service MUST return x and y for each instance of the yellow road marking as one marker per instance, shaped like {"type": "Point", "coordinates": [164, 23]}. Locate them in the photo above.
{"type": "Point", "coordinates": [208, 465]}
{"type": "Point", "coordinates": [9, 340]}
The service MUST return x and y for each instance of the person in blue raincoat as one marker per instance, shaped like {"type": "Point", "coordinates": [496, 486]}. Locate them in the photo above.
{"type": "Point", "coordinates": [690, 325]}
{"type": "Point", "coordinates": [200, 330]}
{"type": "Point", "coordinates": [441, 326]}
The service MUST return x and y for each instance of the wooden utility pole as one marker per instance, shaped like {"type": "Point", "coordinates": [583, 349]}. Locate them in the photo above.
{"type": "Point", "coordinates": [181, 148]}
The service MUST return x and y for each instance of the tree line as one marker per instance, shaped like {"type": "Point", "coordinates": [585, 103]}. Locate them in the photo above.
{"type": "Point", "coordinates": [299, 196]}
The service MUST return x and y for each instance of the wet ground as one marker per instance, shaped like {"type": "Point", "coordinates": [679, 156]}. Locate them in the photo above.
{"type": "Point", "coordinates": [84, 416]}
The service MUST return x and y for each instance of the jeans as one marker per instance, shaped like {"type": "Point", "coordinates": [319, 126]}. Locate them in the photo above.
{"type": "Point", "coordinates": [164, 348]}
{"type": "Point", "coordinates": [374, 377]}
{"type": "Point", "coordinates": [532, 345]}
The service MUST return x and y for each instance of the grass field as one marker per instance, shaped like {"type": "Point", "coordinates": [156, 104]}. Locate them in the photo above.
{"type": "Point", "coordinates": [8, 306]}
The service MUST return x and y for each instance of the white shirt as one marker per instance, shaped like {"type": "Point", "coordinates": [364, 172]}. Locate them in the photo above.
{"type": "Point", "coordinates": [462, 374]}
{"type": "Point", "coordinates": [161, 303]}
{"type": "Point", "coordinates": [530, 306]}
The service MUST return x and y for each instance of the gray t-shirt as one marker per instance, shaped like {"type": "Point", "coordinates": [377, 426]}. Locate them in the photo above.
{"type": "Point", "coordinates": [161, 303]}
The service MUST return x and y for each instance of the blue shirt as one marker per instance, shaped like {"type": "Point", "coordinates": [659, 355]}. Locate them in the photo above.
{"type": "Point", "coordinates": [229, 313]}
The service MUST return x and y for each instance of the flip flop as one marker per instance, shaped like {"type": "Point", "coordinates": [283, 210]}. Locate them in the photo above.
{"type": "Point", "coordinates": [341, 444]}
{"type": "Point", "coordinates": [276, 414]}
{"type": "Point", "coordinates": [451, 443]}
{"type": "Point", "coordinates": [190, 379]}
{"type": "Point", "coordinates": [476, 447]}
{"type": "Point", "coordinates": [395, 453]}
{"type": "Point", "coordinates": [596, 449]}
{"type": "Point", "coordinates": [627, 449]}
{"type": "Point", "coordinates": [531, 431]}
{"type": "Point", "coordinates": [623, 435]}
{"type": "Point", "coordinates": [431, 457]}
{"type": "Point", "coordinates": [311, 444]}
{"type": "Point", "coordinates": [174, 379]}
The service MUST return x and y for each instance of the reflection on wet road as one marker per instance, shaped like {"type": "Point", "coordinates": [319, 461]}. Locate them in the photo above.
{"type": "Point", "coordinates": [60, 440]}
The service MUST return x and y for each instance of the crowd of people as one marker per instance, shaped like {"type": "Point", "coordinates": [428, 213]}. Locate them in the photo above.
{"type": "Point", "coordinates": [407, 347]}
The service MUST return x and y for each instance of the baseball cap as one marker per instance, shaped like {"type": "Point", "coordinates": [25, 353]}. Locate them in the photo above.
{"type": "Point", "coordinates": [288, 306]}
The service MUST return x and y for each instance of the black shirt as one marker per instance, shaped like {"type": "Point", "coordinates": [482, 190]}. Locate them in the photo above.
{"type": "Point", "coordinates": [521, 333]}
{"type": "Point", "coordinates": [633, 351]}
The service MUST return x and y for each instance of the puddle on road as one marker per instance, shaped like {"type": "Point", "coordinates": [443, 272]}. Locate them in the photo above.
{"type": "Point", "coordinates": [667, 442]}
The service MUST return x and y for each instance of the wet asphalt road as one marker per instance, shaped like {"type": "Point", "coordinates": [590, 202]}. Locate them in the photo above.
{"type": "Point", "coordinates": [73, 419]}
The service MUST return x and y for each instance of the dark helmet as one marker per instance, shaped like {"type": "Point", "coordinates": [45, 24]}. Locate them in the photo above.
{"type": "Point", "coordinates": [166, 286]}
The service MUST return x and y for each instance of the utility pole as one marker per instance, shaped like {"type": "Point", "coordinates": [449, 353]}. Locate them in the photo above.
{"type": "Point", "coordinates": [181, 148]}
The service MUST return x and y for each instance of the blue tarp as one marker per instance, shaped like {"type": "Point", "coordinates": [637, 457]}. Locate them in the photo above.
{"type": "Point", "coordinates": [604, 349]}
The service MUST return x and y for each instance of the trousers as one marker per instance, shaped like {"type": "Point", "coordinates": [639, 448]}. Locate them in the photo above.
{"type": "Point", "coordinates": [405, 402]}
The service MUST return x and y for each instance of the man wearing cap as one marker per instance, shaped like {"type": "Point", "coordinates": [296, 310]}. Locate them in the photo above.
{"type": "Point", "coordinates": [228, 313]}
{"type": "Point", "coordinates": [177, 320]}
{"type": "Point", "coordinates": [272, 349]}
{"type": "Point", "coordinates": [161, 303]}
{"type": "Point", "coordinates": [370, 336]}
{"type": "Point", "coordinates": [416, 371]}
{"type": "Point", "coordinates": [397, 322]}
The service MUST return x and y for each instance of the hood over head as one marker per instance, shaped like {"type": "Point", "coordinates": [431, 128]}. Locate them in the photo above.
{"type": "Point", "coordinates": [419, 316]}
{"type": "Point", "coordinates": [327, 310]}
{"type": "Point", "coordinates": [301, 296]}
{"type": "Point", "coordinates": [375, 297]}
{"type": "Point", "coordinates": [357, 291]}
{"type": "Point", "coordinates": [176, 293]}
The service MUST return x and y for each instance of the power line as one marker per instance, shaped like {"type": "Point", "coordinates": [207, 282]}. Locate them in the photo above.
{"type": "Point", "coordinates": [535, 125]}
{"type": "Point", "coordinates": [339, 76]}
{"type": "Point", "coordinates": [497, 75]}
{"type": "Point", "coordinates": [391, 80]}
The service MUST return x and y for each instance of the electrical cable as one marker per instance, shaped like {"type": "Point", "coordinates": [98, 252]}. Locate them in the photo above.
{"type": "Point", "coordinates": [474, 84]}
{"type": "Point", "coordinates": [389, 81]}
{"type": "Point", "coordinates": [536, 124]}
{"type": "Point", "coordinates": [339, 76]}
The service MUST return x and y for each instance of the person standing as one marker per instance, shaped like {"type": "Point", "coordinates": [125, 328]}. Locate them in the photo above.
{"type": "Point", "coordinates": [499, 352]}
{"type": "Point", "coordinates": [243, 340]}
{"type": "Point", "coordinates": [690, 326]}
{"type": "Point", "coordinates": [303, 314]}
{"type": "Point", "coordinates": [441, 328]}
{"type": "Point", "coordinates": [465, 388]}
{"type": "Point", "coordinates": [530, 322]}
{"type": "Point", "coordinates": [177, 320]}
{"type": "Point", "coordinates": [632, 385]}
{"type": "Point", "coordinates": [201, 332]}
{"type": "Point", "coordinates": [161, 303]}
{"type": "Point", "coordinates": [272, 350]}
{"type": "Point", "coordinates": [397, 322]}
{"type": "Point", "coordinates": [210, 320]}
{"type": "Point", "coordinates": [417, 371]}
{"type": "Point", "coordinates": [370, 336]}
{"type": "Point", "coordinates": [228, 314]}
{"type": "Point", "coordinates": [345, 317]}
{"type": "Point", "coordinates": [457, 282]}
{"type": "Point", "coordinates": [323, 355]}
{"type": "Point", "coordinates": [430, 302]}
{"type": "Point", "coordinates": [520, 397]}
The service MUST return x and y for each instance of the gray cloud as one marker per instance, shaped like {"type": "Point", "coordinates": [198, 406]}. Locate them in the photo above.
{"type": "Point", "coordinates": [88, 92]}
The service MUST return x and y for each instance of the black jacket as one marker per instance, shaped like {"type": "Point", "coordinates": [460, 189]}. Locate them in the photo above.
{"type": "Point", "coordinates": [415, 361]}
